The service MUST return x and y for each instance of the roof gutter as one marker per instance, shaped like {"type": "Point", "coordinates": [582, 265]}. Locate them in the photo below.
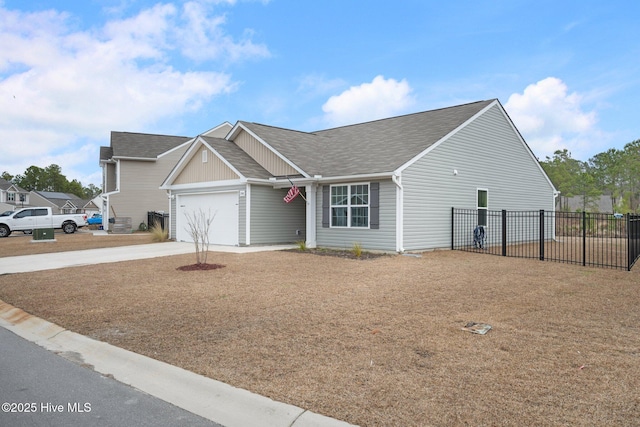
{"type": "Point", "coordinates": [140, 159]}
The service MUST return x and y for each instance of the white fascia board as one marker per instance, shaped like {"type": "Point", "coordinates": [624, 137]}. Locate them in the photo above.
{"type": "Point", "coordinates": [213, 129]}
{"type": "Point", "coordinates": [361, 177]}
{"type": "Point", "coordinates": [239, 126]}
{"type": "Point", "coordinates": [444, 138]}
{"type": "Point", "coordinates": [138, 159]}
{"type": "Point", "coordinates": [200, 185]}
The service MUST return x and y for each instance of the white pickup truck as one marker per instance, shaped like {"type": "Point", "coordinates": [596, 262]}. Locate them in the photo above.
{"type": "Point", "coordinates": [29, 219]}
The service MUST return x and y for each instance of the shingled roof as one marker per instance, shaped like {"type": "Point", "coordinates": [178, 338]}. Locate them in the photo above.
{"type": "Point", "coordinates": [140, 145]}
{"type": "Point", "coordinates": [5, 185]}
{"type": "Point", "coordinates": [379, 146]}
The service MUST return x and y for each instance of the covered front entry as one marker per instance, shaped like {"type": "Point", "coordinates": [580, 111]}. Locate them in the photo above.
{"type": "Point", "coordinates": [224, 205]}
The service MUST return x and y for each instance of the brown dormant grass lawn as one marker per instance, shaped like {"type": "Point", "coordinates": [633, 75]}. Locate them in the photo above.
{"type": "Point", "coordinates": [373, 342]}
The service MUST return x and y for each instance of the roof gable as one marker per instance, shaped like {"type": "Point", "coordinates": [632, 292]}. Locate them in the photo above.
{"type": "Point", "coordinates": [229, 162]}
{"type": "Point", "coordinates": [203, 165]}
{"type": "Point", "coordinates": [8, 185]}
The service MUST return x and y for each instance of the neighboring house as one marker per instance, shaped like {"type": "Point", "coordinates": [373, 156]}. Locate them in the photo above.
{"type": "Point", "coordinates": [133, 167]}
{"type": "Point", "coordinates": [12, 197]}
{"type": "Point", "coordinates": [387, 184]}
{"type": "Point", "coordinates": [62, 203]}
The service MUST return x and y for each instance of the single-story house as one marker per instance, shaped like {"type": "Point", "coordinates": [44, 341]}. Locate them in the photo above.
{"type": "Point", "coordinates": [387, 184]}
{"type": "Point", "coordinates": [62, 203]}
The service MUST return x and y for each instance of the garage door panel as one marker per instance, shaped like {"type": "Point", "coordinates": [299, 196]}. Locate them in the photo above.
{"type": "Point", "coordinates": [222, 206]}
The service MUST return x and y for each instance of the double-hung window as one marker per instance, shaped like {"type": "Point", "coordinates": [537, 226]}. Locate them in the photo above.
{"type": "Point", "coordinates": [350, 205]}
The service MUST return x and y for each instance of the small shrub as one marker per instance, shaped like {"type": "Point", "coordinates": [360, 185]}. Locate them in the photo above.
{"type": "Point", "coordinates": [158, 234]}
{"type": "Point", "coordinates": [302, 245]}
{"type": "Point", "coordinates": [357, 249]}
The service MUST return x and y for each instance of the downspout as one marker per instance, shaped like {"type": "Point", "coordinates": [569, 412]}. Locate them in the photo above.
{"type": "Point", "coordinates": [399, 212]}
{"type": "Point", "coordinates": [171, 197]}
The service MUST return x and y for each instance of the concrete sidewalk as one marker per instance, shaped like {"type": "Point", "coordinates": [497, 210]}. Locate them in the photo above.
{"type": "Point", "coordinates": [214, 400]}
{"type": "Point", "coordinates": [50, 261]}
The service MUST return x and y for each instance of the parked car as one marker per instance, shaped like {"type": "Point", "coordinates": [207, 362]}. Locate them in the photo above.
{"type": "Point", "coordinates": [6, 213]}
{"type": "Point", "coordinates": [96, 219]}
{"type": "Point", "coordinates": [29, 219]}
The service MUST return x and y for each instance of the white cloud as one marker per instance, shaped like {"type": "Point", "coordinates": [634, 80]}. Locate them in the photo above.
{"type": "Point", "coordinates": [370, 101]}
{"type": "Point", "coordinates": [62, 90]}
{"type": "Point", "coordinates": [551, 119]}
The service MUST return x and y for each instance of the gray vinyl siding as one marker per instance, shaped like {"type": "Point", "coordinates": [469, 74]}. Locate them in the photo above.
{"type": "Point", "coordinates": [486, 154]}
{"type": "Point", "coordinates": [273, 220]}
{"type": "Point", "coordinates": [242, 207]}
{"type": "Point", "coordinates": [382, 239]}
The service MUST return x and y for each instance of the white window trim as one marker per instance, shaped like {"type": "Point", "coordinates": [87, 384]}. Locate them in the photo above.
{"type": "Point", "coordinates": [486, 208]}
{"type": "Point", "coordinates": [204, 156]}
{"type": "Point", "coordinates": [349, 206]}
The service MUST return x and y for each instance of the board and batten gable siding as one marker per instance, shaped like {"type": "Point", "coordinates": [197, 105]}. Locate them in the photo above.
{"type": "Point", "coordinates": [198, 170]}
{"type": "Point", "coordinates": [487, 154]}
{"type": "Point", "coordinates": [273, 220]}
{"type": "Point", "coordinates": [242, 207]}
{"type": "Point", "coordinates": [263, 156]}
{"type": "Point", "coordinates": [381, 239]}
{"type": "Point", "coordinates": [139, 190]}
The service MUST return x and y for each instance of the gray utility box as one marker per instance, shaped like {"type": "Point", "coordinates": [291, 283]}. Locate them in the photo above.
{"type": "Point", "coordinates": [43, 234]}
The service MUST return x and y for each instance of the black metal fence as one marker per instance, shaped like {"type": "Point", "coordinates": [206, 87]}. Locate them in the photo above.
{"type": "Point", "coordinates": [590, 239]}
{"type": "Point", "coordinates": [161, 218]}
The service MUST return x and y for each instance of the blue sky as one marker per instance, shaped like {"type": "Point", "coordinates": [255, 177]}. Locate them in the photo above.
{"type": "Point", "coordinates": [568, 72]}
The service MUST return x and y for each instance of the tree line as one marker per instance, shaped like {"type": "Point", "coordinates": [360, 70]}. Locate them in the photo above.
{"type": "Point", "coordinates": [615, 173]}
{"type": "Point", "coordinates": [51, 178]}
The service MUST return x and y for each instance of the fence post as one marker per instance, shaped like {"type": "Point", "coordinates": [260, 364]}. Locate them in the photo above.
{"type": "Point", "coordinates": [629, 251]}
{"type": "Point", "coordinates": [584, 238]}
{"type": "Point", "coordinates": [452, 225]}
{"type": "Point", "coordinates": [504, 232]}
{"type": "Point", "coordinates": [541, 234]}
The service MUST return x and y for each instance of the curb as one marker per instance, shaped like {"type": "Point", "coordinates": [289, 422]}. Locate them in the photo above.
{"type": "Point", "coordinates": [211, 399]}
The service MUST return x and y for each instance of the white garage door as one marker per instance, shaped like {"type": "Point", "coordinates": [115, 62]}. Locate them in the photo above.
{"type": "Point", "coordinates": [224, 228]}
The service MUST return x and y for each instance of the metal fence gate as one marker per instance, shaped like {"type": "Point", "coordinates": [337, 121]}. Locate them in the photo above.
{"type": "Point", "coordinates": [589, 239]}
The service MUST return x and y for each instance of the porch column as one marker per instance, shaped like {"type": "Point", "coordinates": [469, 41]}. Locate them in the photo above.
{"type": "Point", "coordinates": [311, 215]}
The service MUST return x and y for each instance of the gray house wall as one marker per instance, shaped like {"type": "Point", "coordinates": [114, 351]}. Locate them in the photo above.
{"type": "Point", "coordinates": [139, 187]}
{"type": "Point", "coordinates": [383, 239]}
{"type": "Point", "coordinates": [486, 154]}
{"type": "Point", "coordinates": [273, 220]}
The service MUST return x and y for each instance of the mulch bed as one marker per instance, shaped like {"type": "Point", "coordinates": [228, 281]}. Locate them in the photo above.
{"type": "Point", "coordinates": [200, 267]}
{"type": "Point", "coordinates": [340, 253]}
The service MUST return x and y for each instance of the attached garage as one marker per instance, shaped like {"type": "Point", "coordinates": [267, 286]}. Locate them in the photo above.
{"type": "Point", "coordinates": [225, 207]}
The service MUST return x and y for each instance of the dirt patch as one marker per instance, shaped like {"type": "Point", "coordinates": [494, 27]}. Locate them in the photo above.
{"type": "Point", "coordinates": [375, 343]}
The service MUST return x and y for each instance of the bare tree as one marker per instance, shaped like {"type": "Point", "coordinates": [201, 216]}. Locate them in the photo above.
{"type": "Point", "coordinates": [198, 224]}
